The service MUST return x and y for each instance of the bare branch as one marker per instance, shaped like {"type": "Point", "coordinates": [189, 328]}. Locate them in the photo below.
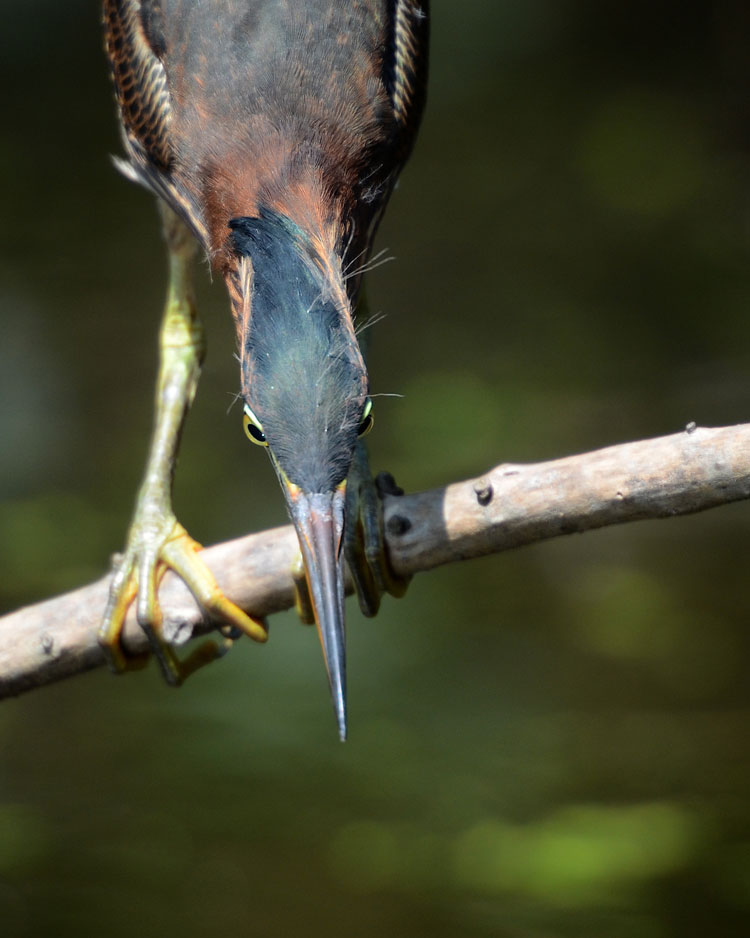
{"type": "Point", "coordinates": [510, 506]}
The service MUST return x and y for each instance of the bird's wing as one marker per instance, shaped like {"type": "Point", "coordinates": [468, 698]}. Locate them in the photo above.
{"type": "Point", "coordinates": [404, 75]}
{"type": "Point", "coordinates": [406, 67]}
{"type": "Point", "coordinates": [131, 30]}
{"type": "Point", "coordinates": [134, 40]}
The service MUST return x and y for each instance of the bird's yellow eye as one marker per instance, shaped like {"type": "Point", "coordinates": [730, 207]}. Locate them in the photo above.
{"type": "Point", "coordinates": [367, 420]}
{"type": "Point", "coordinates": [253, 428]}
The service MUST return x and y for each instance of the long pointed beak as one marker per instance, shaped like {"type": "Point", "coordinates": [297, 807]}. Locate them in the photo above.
{"type": "Point", "coordinates": [319, 520]}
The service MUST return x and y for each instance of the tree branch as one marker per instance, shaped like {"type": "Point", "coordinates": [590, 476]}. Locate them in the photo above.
{"type": "Point", "coordinates": [510, 506]}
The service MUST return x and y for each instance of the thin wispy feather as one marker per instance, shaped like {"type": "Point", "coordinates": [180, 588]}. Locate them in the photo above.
{"type": "Point", "coordinates": [377, 260]}
{"type": "Point", "coordinates": [369, 322]}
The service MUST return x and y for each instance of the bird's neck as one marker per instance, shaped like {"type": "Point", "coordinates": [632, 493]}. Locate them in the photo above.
{"type": "Point", "coordinates": [272, 183]}
{"type": "Point", "coordinates": [286, 287]}
{"type": "Point", "coordinates": [275, 261]}
{"type": "Point", "coordinates": [302, 371]}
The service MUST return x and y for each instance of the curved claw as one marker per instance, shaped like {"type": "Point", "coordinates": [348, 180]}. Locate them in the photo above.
{"type": "Point", "coordinates": [137, 579]}
{"type": "Point", "coordinates": [180, 553]}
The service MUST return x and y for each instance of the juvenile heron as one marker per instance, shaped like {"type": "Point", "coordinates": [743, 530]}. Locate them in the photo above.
{"type": "Point", "coordinates": [272, 132]}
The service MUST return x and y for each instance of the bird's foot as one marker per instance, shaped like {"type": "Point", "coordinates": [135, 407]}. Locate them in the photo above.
{"type": "Point", "coordinates": [156, 545]}
{"type": "Point", "coordinates": [364, 543]}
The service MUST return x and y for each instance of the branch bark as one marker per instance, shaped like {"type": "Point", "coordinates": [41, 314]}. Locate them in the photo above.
{"type": "Point", "coordinates": [508, 507]}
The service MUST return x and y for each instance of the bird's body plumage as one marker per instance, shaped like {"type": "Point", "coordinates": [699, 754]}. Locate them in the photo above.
{"type": "Point", "coordinates": [318, 140]}
{"type": "Point", "coordinates": [276, 129]}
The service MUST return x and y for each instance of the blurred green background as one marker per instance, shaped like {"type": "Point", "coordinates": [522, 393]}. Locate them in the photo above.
{"type": "Point", "coordinates": [552, 742]}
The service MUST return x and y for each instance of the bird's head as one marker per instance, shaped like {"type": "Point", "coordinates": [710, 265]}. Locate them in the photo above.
{"type": "Point", "coordinates": [305, 391]}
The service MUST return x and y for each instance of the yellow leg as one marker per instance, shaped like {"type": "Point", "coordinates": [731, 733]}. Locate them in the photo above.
{"type": "Point", "coordinates": [156, 541]}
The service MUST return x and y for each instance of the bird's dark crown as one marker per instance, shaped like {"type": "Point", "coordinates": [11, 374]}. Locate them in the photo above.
{"type": "Point", "coordinates": [302, 371]}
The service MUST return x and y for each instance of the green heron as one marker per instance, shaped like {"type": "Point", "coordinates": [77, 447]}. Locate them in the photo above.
{"type": "Point", "coordinates": [273, 132]}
